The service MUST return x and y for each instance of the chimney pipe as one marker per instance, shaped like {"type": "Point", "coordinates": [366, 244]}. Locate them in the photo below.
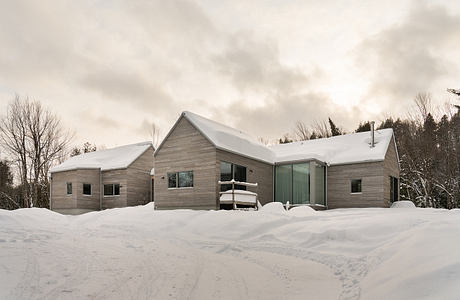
{"type": "Point", "coordinates": [372, 134]}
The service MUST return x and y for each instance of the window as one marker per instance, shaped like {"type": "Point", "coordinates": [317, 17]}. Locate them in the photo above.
{"type": "Point", "coordinates": [69, 188]}
{"type": "Point", "coordinates": [356, 186]}
{"type": "Point", "coordinates": [112, 189]}
{"type": "Point", "coordinates": [229, 171]}
{"type": "Point", "coordinates": [394, 189]}
{"type": "Point", "coordinates": [180, 179]}
{"type": "Point", "coordinates": [186, 179]}
{"type": "Point", "coordinates": [292, 183]}
{"type": "Point", "coordinates": [86, 189]}
{"type": "Point", "coordinates": [172, 180]}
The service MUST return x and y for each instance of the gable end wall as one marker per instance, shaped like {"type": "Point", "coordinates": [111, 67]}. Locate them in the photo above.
{"type": "Point", "coordinates": [185, 149]}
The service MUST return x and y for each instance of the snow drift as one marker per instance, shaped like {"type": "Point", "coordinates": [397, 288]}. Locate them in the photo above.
{"type": "Point", "coordinates": [139, 253]}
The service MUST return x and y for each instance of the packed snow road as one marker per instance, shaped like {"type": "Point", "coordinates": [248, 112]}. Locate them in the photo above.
{"type": "Point", "coordinates": [139, 253]}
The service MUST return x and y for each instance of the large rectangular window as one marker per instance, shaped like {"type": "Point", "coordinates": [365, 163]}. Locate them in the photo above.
{"type": "Point", "coordinates": [292, 183]}
{"type": "Point", "coordinates": [283, 184]}
{"type": "Point", "coordinates": [87, 189]}
{"type": "Point", "coordinates": [229, 171]}
{"type": "Point", "coordinates": [301, 183]}
{"type": "Point", "coordinates": [180, 179]}
{"type": "Point", "coordinates": [112, 189]}
{"type": "Point", "coordinates": [69, 188]}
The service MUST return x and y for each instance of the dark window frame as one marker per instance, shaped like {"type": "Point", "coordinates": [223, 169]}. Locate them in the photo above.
{"type": "Point", "coordinates": [113, 194]}
{"type": "Point", "coordinates": [67, 188]}
{"type": "Point", "coordinates": [394, 189]}
{"type": "Point", "coordinates": [176, 176]}
{"type": "Point", "coordinates": [359, 186]}
{"type": "Point", "coordinates": [233, 167]}
{"type": "Point", "coordinates": [90, 189]}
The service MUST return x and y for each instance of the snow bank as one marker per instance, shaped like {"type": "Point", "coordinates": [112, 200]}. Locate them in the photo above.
{"type": "Point", "coordinates": [403, 204]}
{"type": "Point", "coordinates": [142, 253]}
{"type": "Point", "coordinates": [302, 211]}
{"type": "Point", "coordinates": [274, 208]}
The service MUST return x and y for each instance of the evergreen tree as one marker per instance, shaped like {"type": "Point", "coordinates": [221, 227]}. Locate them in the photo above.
{"type": "Point", "coordinates": [362, 127]}
{"type": "Point", "coordinates": [334, 129]}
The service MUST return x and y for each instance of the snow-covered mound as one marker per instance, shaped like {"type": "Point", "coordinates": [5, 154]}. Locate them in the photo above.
{"type": "Point", "coordinates": [142, 253]}
{"type": "Point", "coordinates": [302, 211]}
{"type": "Point", "coordinates": [274, 208]}
{"type": "Point", "coordinates": [403, 204]}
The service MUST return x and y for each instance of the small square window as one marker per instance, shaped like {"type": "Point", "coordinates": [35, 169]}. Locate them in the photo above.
{"type": "Point", "coordinates": [87, 189]}
{"type": "Point", "coordinates": [172, 180]}
{"type": "Point", "coordinates": [108, 189]}
{"type": "Point", "coordinates": [69, 188]}
{"type": "Point", "coordinates": [356, 186]}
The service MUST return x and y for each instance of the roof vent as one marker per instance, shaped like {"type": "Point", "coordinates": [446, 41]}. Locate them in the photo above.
{"type": "Point", "coordinates": [372, 134]}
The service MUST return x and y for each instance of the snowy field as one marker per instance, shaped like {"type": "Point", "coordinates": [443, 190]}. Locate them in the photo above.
{"type": "Point", "coordinates": [139, 253]}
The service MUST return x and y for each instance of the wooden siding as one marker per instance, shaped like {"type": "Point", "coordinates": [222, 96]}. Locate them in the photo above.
{"type": "Point", "coordinates": [60, 200]}
{"type": "Point", "coordinates": [112, 177]}
{"type": "Point", "coordinates": [391, 168]}
{"type": "Point", "coordinates": [185, 149]}
{"type": "Point", "coordinates": [262, 174]}
{"type": "Point", "coordinates": [139, 179]}
{"type": "Point", "coordinates": [339, 185]}
{"type": "Point", "coordinates": [59, 197]}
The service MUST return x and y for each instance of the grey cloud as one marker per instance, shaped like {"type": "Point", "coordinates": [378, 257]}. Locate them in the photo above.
{"type": "Point", "coordinates": [409, 57]}
{"type": "Point", "coordinates": [128, 87]}
{"type": "Point", "coordinates": [254, 65]}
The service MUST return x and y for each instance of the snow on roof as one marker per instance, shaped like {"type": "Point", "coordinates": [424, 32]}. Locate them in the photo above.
{"type": "Point", "coordinates": [109, 159]}
{"type": "Point", "coordinates": [343, 149]}
{"type": "Point", "coordinates": [348, 148]}
{"type": "Point", "coordinates": [230, 139]}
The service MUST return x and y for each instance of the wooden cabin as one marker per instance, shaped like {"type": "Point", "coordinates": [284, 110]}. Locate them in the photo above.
{"type": "Point", "coordinates": [353, 170]}
{"type": "Point", "coordinates": [116, 177]}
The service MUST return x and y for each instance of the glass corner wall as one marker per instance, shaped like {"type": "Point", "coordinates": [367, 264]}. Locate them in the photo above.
{"type": "Point", "coordinates": [292, 183]}
{"type": "Point", "coordinates": [301, 183]}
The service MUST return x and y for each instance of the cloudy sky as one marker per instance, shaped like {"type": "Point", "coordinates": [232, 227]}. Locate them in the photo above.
{"type": "Point", "coordinates": [110, 68]}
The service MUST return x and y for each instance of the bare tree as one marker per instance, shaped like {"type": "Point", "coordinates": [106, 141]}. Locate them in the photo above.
{"type": "Point", "coordinates": [423, 104]}
{"type": "Point", "coordinates": [34, 138]}
{"type": "Point", "coordinates": [13, 135]}
{"type": "Point", "coordinates": [301, 131]}
{"type": "Point", "coordinates": [321, 129]}
{"type": "Point", "coordinates": [264, 141]}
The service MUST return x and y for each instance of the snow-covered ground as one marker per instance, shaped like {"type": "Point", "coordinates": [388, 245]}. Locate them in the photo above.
{"type": "Point", "coordinates": [139, 253]}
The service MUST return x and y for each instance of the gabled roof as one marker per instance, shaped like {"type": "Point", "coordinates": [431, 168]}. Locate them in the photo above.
{"type": "Point", "coordinates": [109, 159]}
{"type": "Point", "coordinates": [226, 138]}
{"type": "Point", "coordinates": [230, 139]}
{"type": "Point", "coordinates": [342, 149]}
